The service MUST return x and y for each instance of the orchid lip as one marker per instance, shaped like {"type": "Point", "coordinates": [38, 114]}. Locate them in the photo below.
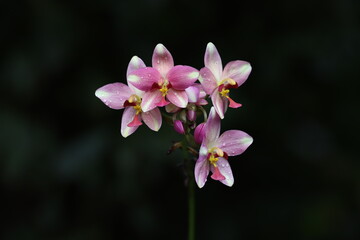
{"type": "Point", "coordinates": [217, 174]}
{"type": "Point", "coordinates": [233, 104]}
{"type": "Point", "coordinates": [163, 102]}
{"type": "Point", "coordinates": [135, 122]}
{"type": "Point", "coordinates": [224, 92]}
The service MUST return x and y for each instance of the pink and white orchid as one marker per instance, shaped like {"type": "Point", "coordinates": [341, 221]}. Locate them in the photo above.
{"type": "Point", "coordinates": [214, 151]}
{"type": "Point", "coordinates": [196, 97]}
{"type": "Point", "coordinates": [163, 82]}
{"type": "Point", "coordinates": [119, 96]}
{"type": "Point", "coordinates": [196, 94]}
{"type": "Point", "coordinates": [217, 81]}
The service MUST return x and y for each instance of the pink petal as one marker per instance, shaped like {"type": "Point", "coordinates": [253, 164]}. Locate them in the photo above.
{"type": "Point", "coordinates": [114, 95]}
{"type": "Point", "coordinates": [234, 142]}
{"type": "Point", "coordinates": [201, 172]}
{"type": "Point", "coordinates": [237, 70]}
{"type": "Point", "coordinates": [220, 103]}
{"type": "Point", "coordinates": [203, 151]}
{"type": "Point", "coordinates": [193, 93]}
{"type": "Point", "coordinates": [162, 59]}
{"type": "Point", "coordinates": [152, 119]}
{"type": "Point", "coordinates": [127, 117]}
{"type": "Point", "coordinates": [207, 80]}
{"type": "Point", "coordinates": [212, 128]}
{"type": "Point", "coordinates": [150, 100]}
{"type": "Point", "coordinates": [212, 60]}
{"type": "Point", "coordinates": [144, 78]}
{"type": "Point", "coordinates": [225, 170]}
{"type": "Point", "coordinates": [135, 64]}
{"type": "Point", "coordinates": [182, 77]}
{"type": "Point", "coordinates": [202, 102]}
{"type": "Point", "coordinates": [202, 93]}
{"type": "Point", "coordinates": [178, 98]}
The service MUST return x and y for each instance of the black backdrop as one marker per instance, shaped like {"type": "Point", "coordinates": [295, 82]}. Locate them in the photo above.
{"type": "Point", "coordinates": [66, 172]}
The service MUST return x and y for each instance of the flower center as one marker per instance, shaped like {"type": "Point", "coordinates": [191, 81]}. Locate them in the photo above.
{"type": "Point", "coordinates": [163, 86]}
{"type": "Point", "coordinates": [213, 157]}
{"type": "Point", "coordinates": [228, 81]}
{"type": "Point", "coordinates": [135, 102]}
{"type": "Point", "coordinates": [134, 99]}
{"type": "Point", "coordinates": [224, 91]}
{"type": "Point", "coordinates": [214, 154]}
{"type": "Point", "coordinates": [137, 107]}
{"type": "Point", "coordinates": [164, 89]}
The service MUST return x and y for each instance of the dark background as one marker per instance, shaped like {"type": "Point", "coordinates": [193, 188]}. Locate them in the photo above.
{"type": "Point", "coordinates": [66, 172]}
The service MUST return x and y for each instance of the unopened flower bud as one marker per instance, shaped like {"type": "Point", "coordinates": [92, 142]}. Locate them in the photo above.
{"type": "Point", "coordinates": [179, 127]}
{"type": "Point", "coordinates": [191, 115]}
{"type": "Point", "coordinates": [182, 115]}
{"type": "Point", "coordinates": [199, 133]}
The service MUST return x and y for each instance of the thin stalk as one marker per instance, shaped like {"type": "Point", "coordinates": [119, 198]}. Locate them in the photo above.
{"type": "Point", "coordinates": [189, 168]}
{"type": "Point", "coordinates": [191, 208]}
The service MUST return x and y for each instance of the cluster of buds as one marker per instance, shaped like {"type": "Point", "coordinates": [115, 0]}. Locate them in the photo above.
{"type": "Point", "coordinates": [174, 89]}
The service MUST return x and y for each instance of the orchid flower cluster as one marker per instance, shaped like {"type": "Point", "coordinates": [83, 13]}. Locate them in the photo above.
{"type": "Point", "coordinates": [175, 89]}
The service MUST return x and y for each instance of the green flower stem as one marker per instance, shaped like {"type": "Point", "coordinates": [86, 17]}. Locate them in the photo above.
{"type": "Point", "coordinates": [189, 168]}
{"type": "Point", "coordinates": [191, 206]}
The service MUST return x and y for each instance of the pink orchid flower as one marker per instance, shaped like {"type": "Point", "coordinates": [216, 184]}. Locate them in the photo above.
{"type": "Point", "coordinates": [214, 151]}
{"type": "Point", "coordinates": [196, 96]}
{"type": "Point", "coordinates": [218, 82]}
{"type": "Point", "coordinates": [163, 83]}
{"type": "Point", "coordinates": [119, 96]}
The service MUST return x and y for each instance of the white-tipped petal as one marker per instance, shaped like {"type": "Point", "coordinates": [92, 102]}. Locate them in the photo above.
{"type": "Point", "coordinates": [212, 60]}
{"type": "Point", "coordinates": [114, 95]}
{"type": "Point", "coordinates": [162, 59]}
